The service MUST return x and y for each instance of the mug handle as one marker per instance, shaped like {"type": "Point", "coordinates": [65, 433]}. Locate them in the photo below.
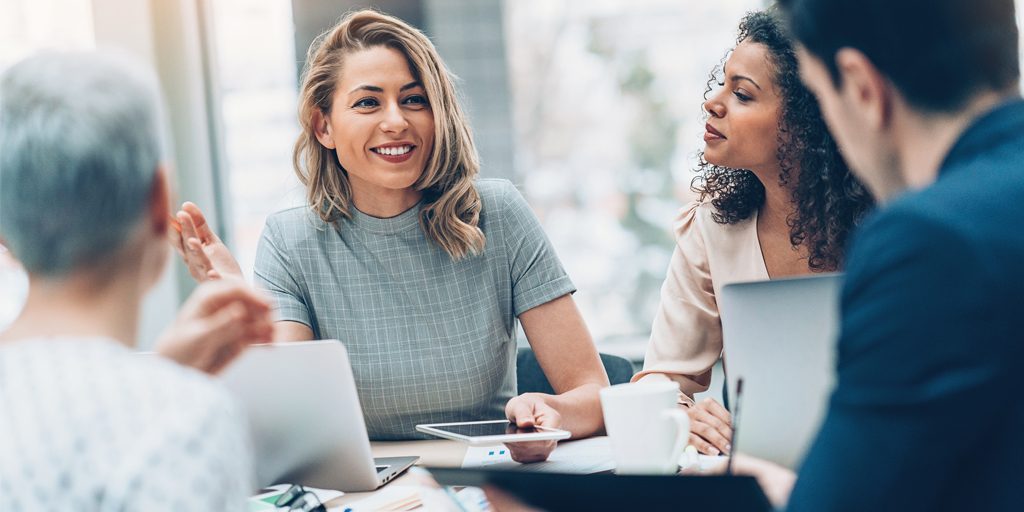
{"type": "Point", "coordinates": [682, 423]}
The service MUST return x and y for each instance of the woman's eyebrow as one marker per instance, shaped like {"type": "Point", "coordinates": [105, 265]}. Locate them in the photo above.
{"type": "Point", "coordinates": [736, 78]}
{"type": "Point", "coordinates": [371, 88]}
{"type": "Point", "coordinates": [374, 88]}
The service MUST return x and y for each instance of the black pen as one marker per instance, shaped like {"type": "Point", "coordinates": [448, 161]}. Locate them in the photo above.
{"type": "Point", "coordinates": [735, 424]}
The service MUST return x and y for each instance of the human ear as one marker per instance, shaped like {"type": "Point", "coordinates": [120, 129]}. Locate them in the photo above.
{"type": "Point", "coordinates": [151, 251]}
{"type": "Point", "coordinates": [865, 88]}
{"type": "Point", "coordinates": [160, 201]}
{"type": "Point", "coordinates": [322, 129]}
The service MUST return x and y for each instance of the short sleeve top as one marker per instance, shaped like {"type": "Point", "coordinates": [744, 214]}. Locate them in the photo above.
{"type": "Point", "coordinates": [88, 425]}
{"type": "Point", "coordinates": [686, 336]}
{"type": "Point", "coordinates": [430, 339]}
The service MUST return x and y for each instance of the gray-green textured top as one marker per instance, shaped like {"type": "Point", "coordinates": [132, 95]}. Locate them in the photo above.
{"type": "Point", "coordinates": [430, 339]}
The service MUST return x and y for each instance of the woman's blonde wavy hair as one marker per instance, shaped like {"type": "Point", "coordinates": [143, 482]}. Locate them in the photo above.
{"type": "Point", "coordinates": [450, 211]}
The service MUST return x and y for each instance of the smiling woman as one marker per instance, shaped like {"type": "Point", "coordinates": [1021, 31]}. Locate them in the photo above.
{"type": "Point", "coordinates": [382, 128]}
{"type": "Point", "coordinates": [369, 72]}
{"type": "Point", "coordinates": [419, 268]}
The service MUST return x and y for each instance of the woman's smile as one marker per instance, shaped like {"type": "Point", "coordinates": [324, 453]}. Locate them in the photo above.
{"type": "Point", "coordinates": [394, 152]}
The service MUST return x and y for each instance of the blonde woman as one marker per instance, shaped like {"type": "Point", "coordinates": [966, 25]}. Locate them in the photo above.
{"type": "Point", "coordinates": [418, 267]}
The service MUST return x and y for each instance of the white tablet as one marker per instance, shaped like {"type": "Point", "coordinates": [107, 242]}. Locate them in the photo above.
{"type": "Point", "coordinates": [482, 433]}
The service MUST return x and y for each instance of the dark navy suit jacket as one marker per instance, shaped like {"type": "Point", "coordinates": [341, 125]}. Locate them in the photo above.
{"type": "Point", "coordinates": [928, 409]}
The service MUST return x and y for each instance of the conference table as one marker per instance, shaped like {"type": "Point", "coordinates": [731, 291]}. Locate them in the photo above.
{"type": "Point", "coordinates": [452, 454]}
{"type": "Point", "coordinates": [433, 452]}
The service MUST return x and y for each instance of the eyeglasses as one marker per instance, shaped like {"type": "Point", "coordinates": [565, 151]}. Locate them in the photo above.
{"type": "Point", "coordinates": [300, 499]}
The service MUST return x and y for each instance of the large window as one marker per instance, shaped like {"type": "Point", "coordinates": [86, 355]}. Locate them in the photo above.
{"type": "Point", "coordinates": [258, 87]}
{"type": "Point", "coordinates": [607, 107]}
{"type": "Point", "coordinates": [605, 98]}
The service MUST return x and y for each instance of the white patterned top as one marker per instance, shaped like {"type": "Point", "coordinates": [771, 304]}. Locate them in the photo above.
{"type": "Point", "coordinates": [88, 425]}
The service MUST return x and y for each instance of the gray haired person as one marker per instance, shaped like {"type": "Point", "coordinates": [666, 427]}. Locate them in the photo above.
{"type": "Point", "coordinates": [86, 424]}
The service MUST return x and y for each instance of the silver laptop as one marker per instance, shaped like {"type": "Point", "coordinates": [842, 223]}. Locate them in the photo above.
{"type": "Point", "coordinates": [780, 338]}
{"type": "Point", "coordinates": [305, 419]}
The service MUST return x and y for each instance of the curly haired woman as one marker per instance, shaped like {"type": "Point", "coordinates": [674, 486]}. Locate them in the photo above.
{"type": "Point", "coordinates": [775, 200]}
{"type": "Point", "coordinates": [418, 267]}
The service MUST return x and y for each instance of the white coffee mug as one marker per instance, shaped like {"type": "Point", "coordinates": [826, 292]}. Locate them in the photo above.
{"type": "Point", "coordinates": [647, 429]}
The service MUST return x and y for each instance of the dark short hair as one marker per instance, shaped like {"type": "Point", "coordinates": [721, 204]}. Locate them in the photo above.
{"type": "Point", "coordinates": [938, 53]}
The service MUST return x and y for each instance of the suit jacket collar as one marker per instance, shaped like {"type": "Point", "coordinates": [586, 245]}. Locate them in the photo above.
{"type": "Point", "coordinates": [990, 130]}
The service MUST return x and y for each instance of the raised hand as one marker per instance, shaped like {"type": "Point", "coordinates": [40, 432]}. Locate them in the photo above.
{"type": "Point", "coordinates": [217, 322]}
{"type": "Point", "coordinates": [200, 248]}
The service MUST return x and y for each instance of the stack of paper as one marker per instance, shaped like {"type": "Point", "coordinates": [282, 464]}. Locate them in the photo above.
{"type": "Point", "coordinates": [391, 498]}
{"type": "Point", "coordinates": [585, 456]}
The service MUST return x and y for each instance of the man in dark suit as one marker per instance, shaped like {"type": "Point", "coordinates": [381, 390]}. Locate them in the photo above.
{"type": "Point", "coordinates": [922, 97]}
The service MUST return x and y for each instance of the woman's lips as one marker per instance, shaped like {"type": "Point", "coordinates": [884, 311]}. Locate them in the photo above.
{"type": "Point", "coordinates": [393, 158]}
{"type": "Point", "coordinates": [711, 134]}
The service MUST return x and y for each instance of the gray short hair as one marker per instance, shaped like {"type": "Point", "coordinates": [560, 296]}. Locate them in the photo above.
{"type": "Point", "coordinates": [80, 142]}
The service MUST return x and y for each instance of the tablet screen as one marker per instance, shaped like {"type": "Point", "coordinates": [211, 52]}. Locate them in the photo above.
{"type": "Point", "coordinates": [486, 429]}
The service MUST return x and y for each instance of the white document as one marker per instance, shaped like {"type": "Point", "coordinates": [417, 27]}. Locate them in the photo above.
{"type": "Point", "coordinates": [712, 464]}
{"type": "Point", "coordinates": [584, 456]}
{"type": "Point", "coordinates": [391, 498]}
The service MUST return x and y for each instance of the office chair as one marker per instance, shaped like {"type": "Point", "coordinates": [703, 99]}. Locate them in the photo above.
{"type": "Point", "coordinates": [530, 377]}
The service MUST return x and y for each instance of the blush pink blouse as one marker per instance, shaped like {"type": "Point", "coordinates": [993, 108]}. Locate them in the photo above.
{"type": "Point", "coordinates": [686, 338]}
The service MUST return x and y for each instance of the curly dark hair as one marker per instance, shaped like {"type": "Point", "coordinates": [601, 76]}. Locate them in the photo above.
{"type": "Point", "coordinates": [827, 200]}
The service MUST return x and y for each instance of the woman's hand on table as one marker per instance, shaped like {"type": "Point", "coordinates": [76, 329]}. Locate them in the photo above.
{"type": "Point", "coordinates": [529, 410]}
{"type": "Point", "coordinates": [200, 248]}
{"type": "Point", "coordinates": [710, 427]}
